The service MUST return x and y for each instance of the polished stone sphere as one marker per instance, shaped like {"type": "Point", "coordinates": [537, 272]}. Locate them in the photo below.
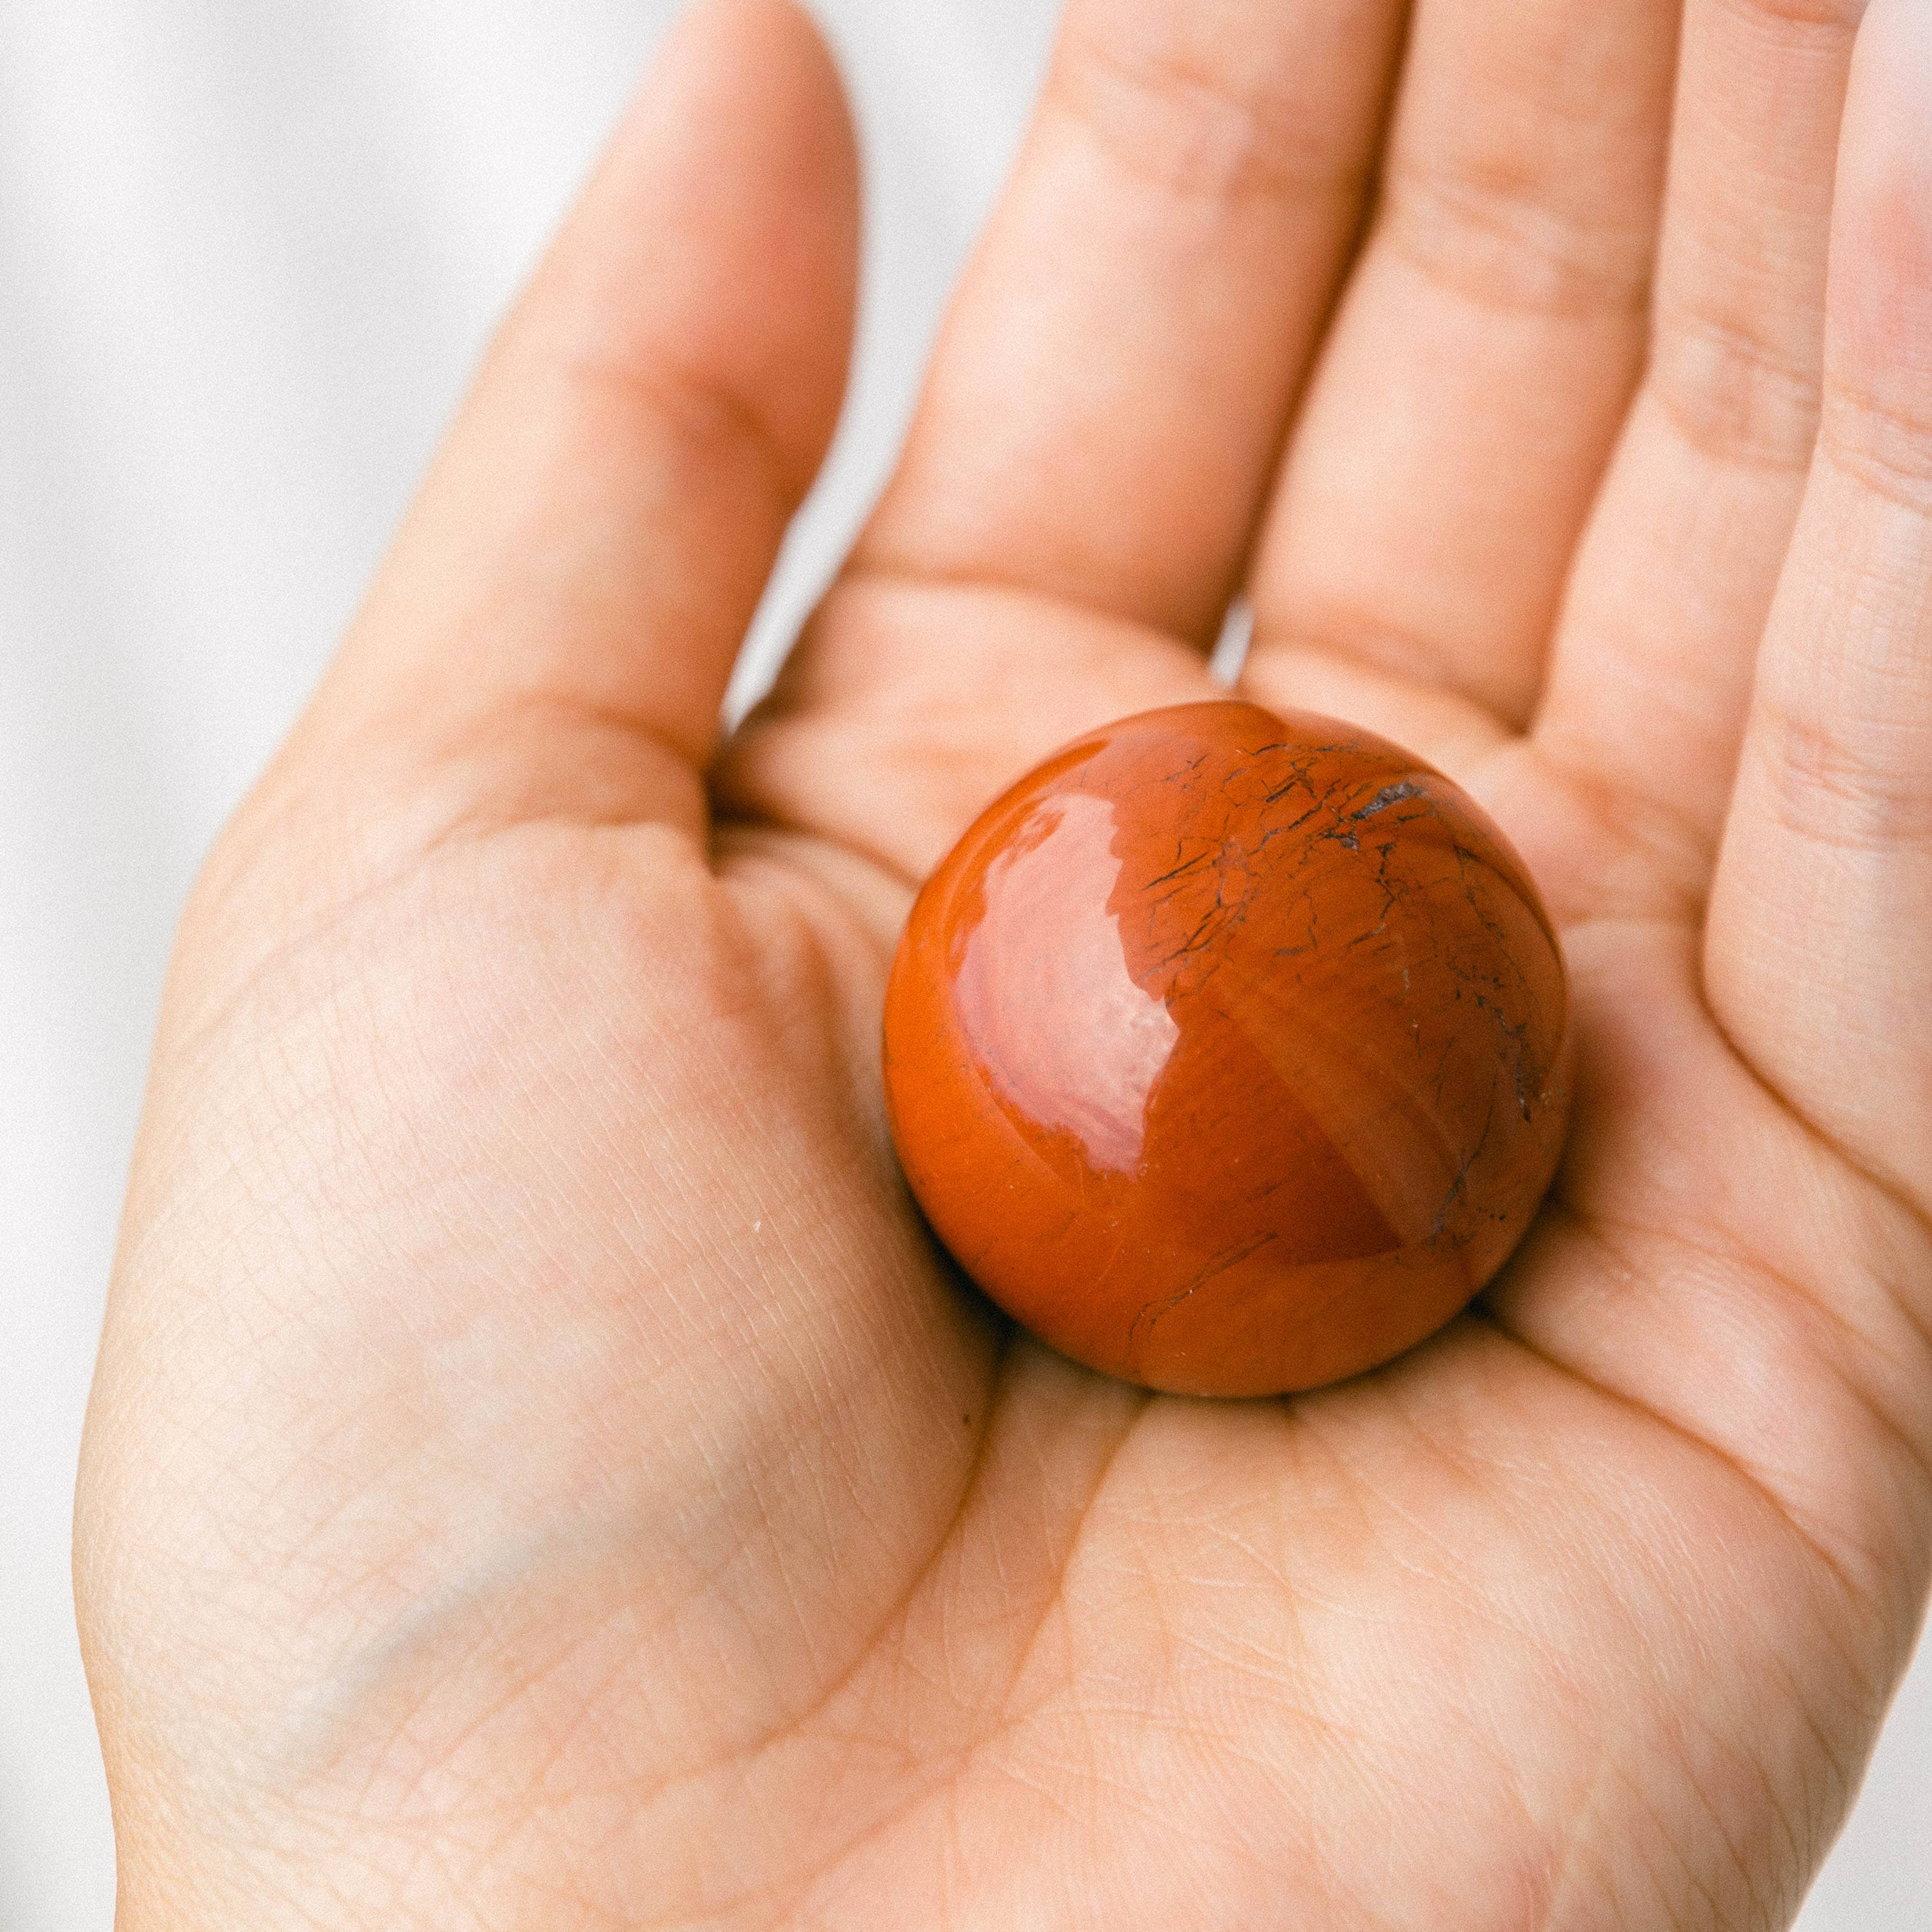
{"type": "Point", "coordinates": [1225, 1051]}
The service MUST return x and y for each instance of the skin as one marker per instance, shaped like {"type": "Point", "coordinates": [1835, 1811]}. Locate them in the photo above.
{"type": "Point", "coordinates": [539, 1474]}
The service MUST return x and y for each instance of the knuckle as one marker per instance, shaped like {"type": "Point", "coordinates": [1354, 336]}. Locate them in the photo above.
{"type": "Point", "coordinates": [1733, 392]}
{"type": "Point", "coordinates": [1835, 17]}
{"type": "Point", "coordinates": [694, 416]}
{"type": "Point", "coordinates": [1860, 786]}
{"type": "Point", "coordinates": [1884, 442]}
{"type": "Point", "coordinates": [1507, 239]}
{"type": "Point", "coordinates": [1193, 127]}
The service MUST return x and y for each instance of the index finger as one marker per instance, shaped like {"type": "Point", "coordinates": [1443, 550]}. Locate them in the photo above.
{"type": "Point", "coordinates": [554, 628]}
{"type": "Point", "coordinates": [1079, 489]}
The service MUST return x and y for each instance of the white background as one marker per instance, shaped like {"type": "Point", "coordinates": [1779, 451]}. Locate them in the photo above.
{"type": "Point", "coordinates": [247, 253]}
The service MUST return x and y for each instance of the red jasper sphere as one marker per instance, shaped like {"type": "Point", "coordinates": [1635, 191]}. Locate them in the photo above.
{"type": "Point", "coordinates": [1225, 1051]}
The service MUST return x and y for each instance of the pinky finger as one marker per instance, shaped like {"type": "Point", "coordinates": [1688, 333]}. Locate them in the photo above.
{"type": "Point", "coordinates": [1818, 952]}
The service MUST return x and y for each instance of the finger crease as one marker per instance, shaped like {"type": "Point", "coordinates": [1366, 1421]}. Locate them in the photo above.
{"type": "Point", "coordinates": [703, 413]}
{"type": "Point", "coordinates": [1733, 395]}
{"type": "Point", "coordinates": [1666, 835]}
{"type": "Point", "coordinates": [1541, 261]}
{"type": "Point", "coordinates": [1885, 802]}
{"type": "Point", "coordinates": [1885, 445]}
{"type": "Point", "coordinates": [1173, 126]}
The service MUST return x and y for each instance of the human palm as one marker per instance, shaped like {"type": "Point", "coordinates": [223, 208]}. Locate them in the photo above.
{"type": "Point", "coordinates": [542, 1473]}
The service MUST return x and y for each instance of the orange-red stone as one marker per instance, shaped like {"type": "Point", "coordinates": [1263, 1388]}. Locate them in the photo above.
{"type": "Point", "coordinates": [1225, 1051]}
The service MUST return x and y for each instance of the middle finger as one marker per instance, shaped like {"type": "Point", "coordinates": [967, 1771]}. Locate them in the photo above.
{"type": "Point", "coordinates": [1484, 354]}
{"type": "Point", "coordinates": [1652, 667]}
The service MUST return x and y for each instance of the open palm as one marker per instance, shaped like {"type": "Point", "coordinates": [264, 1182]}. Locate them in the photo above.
{"type": "Point", "coordinates": [540, 1474]}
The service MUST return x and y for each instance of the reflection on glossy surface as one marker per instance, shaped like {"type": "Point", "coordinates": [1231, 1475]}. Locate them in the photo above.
{"type": "Point", "coordinates": [1224, 1050]}
{"type": "Point", "coordinates": [1066, 1036]}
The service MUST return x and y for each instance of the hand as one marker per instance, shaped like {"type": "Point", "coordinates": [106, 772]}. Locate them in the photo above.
{"type": "Point", "coordinates": [540, 1475]}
